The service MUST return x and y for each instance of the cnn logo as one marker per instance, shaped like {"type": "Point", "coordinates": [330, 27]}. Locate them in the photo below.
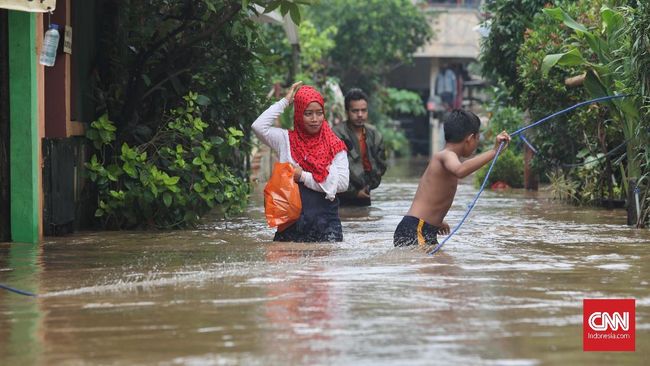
{"type": "Point", "coordinates": [608, 325]}
{"type": "Point", "coordinates": [600, 321]}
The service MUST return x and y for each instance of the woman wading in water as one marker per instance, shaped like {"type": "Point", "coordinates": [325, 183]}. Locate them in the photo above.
{"type": "Point", "coordinates": [320, 161]}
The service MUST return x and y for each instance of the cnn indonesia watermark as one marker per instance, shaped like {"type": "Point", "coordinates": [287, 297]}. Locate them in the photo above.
{"type": "Point", "coordinates": [608, 325]}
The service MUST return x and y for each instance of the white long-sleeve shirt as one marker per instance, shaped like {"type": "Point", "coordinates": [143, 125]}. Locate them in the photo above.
{"type": "Point", "coordinates": [278, 139]}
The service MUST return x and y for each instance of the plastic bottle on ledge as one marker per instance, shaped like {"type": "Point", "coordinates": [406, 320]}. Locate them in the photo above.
{"type": "Point", "coordinates": [50, 44]}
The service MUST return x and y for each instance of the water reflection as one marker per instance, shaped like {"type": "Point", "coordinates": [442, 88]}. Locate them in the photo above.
{"type": "Point", "coordinates": [21, 317]}
{"type": "Point", "coordinates": [300, 306]}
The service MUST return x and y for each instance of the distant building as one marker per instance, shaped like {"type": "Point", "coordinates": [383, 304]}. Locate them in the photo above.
{"type": "Point", "coordinates": [439, 73]}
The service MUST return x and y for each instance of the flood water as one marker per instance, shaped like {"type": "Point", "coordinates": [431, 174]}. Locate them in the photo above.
{"type": "Point", "coordinates": [507, 289]}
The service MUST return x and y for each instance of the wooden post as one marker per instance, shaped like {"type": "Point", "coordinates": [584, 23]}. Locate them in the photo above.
{"type": "Point", "coordinates": [530, 179]}
{"type": "Point", "coordinates": [632, 218]}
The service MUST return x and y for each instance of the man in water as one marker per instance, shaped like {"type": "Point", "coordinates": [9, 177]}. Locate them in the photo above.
{"type": "Point", "coordinates": [366, 153]}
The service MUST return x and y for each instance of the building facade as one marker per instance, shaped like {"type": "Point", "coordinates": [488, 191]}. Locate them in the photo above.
{"type": "Point", "coordinates": [43, 114]}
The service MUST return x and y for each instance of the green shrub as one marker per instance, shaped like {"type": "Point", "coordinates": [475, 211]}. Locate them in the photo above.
{"type": "Point", "coordinates": [170, 181]}
{"type": "Point", "coordinates": [562, 187]}
{"type": "Point", "coordinates": [387, 105]}
{"type": "Point", "coordinates": [637, 76]}
{"type": "Point", "coordinates": [395, 140]}
{"type": "Point", "coordinates": [509, 168]}
{"type": "Point", "coordinates": [559, 140]}
{"type": "Point", "coordinates": [507, 19]}
{"type": "Point", "coordinates": [504, 118]}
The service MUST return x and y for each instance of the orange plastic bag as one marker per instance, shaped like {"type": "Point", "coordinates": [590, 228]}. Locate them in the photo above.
{"type": "Point", "coordinates": [282, 204]}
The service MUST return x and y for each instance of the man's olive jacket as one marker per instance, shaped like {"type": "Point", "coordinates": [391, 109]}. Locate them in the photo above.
{"type": "Point", "coordinates": [376, 154]}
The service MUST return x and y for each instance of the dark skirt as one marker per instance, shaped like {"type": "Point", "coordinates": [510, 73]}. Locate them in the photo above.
{"type": "Point", "coordinates": [360, 202]}
{"type": "Point", "coordinates": [319, 220]}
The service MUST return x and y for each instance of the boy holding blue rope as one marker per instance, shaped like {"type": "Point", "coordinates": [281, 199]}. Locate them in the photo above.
{"type": "Point", "coordinates": [437, 187]}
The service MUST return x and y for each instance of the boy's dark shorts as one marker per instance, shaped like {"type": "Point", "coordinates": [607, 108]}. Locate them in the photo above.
{"type": "Point", "coordinates": [414, 231]}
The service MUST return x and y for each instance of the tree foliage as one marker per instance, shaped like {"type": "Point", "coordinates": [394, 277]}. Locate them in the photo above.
{"type": "Point", "coordinates": [171, 180]}
{"type": "Point", "coordinates": [541, 94]}
{"type": "Point", "coordinates": [152, 54]}
{"type": "Point", "coordinates": [315, 46]}
{"type": "Point", "coordinates": [146, 67]}
{"type": "Point", "coordinates": [605, 41]}
{"type": "Point", "coordinates": [636, 78]}
{"type": "Point", "coordinates": [598, 50]}
{"type": "Point", "coordinates": [507, 21]}
{"type": "Point", "coordinates": [373, 37]}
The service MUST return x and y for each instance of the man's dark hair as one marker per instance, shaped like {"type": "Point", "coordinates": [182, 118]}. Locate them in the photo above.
{"type": "Point", "coordinates": [354, 94]}
{"type": "Point", "coordinates": [459, 124]}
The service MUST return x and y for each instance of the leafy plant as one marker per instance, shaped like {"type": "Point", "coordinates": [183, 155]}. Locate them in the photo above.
{"type": "Point", "coordinates": [637, 78]}
{"type": "Point", "coordinates": [210, 47]}
{"type": "Point", "coordinates": [590, 176]}
{"type": "Point", "coordinates": [604, 72]}
{"type": "Point", "coordinates": [395, 140]}
{"type": "Point", "coordinates": [101, 132]}
{"type": "Point", "coordinates": [558, 141]}
{"type": "Point", "coordinates": [509, 168]}
{"type": "Point", "coordinates": [170, 181]}
{"type": "Point", "coordinates": [504, 119]}
{"type": "Point", "coordinates": [562, 188]}
{"type": "Point", "coordinates": [387, 106]}
{"type": "Point", "coordinates": [507, 21]}
{"type": "Point", "coordinates": [400, 101]}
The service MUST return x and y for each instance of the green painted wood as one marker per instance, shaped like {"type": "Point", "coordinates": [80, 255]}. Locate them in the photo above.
{"type": "Point", "coordinates": [23, 127]}
{"type": "Point", "coordinates": [5, 213]}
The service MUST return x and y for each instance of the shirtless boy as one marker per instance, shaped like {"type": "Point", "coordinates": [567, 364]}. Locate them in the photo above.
{"type": "Point", "coordinates": [437, 187]}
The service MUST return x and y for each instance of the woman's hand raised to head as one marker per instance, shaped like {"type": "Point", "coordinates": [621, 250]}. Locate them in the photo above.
{"type": "Point", "coordinates": [292, 91]}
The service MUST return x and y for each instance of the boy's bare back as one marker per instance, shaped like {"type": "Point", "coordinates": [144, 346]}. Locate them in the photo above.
{"type": "Point", "coordinates": [436, 190]}
{"type": "Point", "coordinates": [438, 184]}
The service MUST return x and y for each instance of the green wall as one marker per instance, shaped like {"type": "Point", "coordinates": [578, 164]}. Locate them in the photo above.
{"type": "Point", "coordinates": [5, 226]}
{"type": "Point", "coordinates": [23, 128]}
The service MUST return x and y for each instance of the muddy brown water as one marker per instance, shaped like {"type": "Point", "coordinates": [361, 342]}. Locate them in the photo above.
{"type": "Point", "coordinates": [507, 289]}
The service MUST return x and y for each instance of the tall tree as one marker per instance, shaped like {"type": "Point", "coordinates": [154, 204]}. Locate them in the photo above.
{"type": "Point", "coordinates": [507, 21]}
{"type": "Point", "coordinates": [178, 83]}
{"type": "Point", "coordinates": [373, 38]}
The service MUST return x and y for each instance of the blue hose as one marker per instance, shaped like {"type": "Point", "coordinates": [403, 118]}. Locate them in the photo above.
{"type": "Point", "coordinates": [517, 132]}
{"type": "Point", "coordinates": [15, 290]}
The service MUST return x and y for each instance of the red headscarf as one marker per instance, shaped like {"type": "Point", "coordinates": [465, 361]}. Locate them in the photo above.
{"type": "Point", "coordinates": [314, 153]}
